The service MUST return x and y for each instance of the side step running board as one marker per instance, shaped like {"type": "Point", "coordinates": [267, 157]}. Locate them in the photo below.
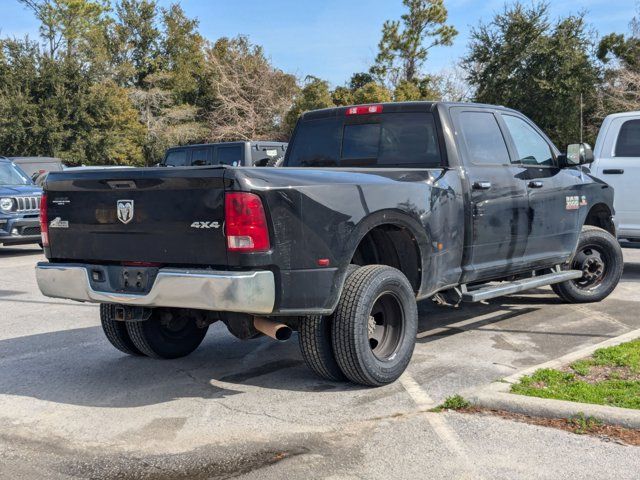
{"type": "Point", "coordinates": [507, 288]}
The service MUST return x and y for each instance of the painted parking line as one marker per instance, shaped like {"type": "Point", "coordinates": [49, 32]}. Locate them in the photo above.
{"type": "Point", "coordinates": [439, 424]}
{"type": "Point", "coordinates": [596, 315]}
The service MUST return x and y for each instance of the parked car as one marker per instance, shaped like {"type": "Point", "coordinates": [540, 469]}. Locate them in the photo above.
{"type": "Point", "coordinates": [236, 154]}
{"type": "Point", "coordinates": [19, 206]}
{"type": "Point", "coordinates": [36, 167]}
{"type": "Point", "coordinates": [377, 206]}
{"type": "Point", "coordinates": [617, 162]}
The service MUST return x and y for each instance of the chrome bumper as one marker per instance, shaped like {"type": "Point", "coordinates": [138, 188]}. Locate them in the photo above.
{"type": "Point", "coordinates": [246, 292]}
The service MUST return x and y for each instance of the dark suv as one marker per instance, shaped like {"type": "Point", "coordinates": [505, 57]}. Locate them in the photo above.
{"type": "Point", "coordinates": [19, 206]}
{"type": "Point", "coordinates": [234, 154]}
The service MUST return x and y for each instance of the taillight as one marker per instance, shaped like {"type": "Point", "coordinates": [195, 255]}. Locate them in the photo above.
{"type": "Point", "coordinates": [245, 223]}
{"type": "Point", "coordinates": [44, 221]}
{"type": "Point", "coordinates": [364, 109]}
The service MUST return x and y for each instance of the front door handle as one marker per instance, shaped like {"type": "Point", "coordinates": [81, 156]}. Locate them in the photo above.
{"type": "Point", "coordinates": [481, 185]}
{"type": "Point", "coordinates": [613, 171]}
{"type": "Point", "coordinates": [536, 184]}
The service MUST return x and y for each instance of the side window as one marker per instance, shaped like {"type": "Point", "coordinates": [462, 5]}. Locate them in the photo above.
{"type": "Point", "coordinates": [628, 144]}
{"type": "Point", "coordinates": [484, 139]}
{"type": "Point", "coordinates": [199, 156]}
{"type": "Point", "coordinates": [532, 149]}
{"type": "Point", "coordinates": [177, 158]}
{"type": "Point", "coordinates": [229, 155]}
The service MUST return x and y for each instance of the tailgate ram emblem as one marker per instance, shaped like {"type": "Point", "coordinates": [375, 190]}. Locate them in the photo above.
{"type": "Point", "coordinates": [125, 211]}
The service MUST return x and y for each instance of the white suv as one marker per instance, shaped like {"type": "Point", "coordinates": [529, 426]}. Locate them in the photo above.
{"type": "Point", "coordinates": [617, 162]}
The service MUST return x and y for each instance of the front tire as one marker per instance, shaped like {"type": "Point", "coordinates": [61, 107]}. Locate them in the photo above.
{"type": "Point", "coordinates": [599, 256]}
{"type": "Point", "coordinates": [375, 325]}
{"type": "Point", "coordinates": [116, 331]}
{"type": "Point", "coordinates": [167, 334]}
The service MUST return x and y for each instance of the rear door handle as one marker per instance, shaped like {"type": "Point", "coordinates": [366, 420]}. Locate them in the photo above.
{"type": "Point", "coordinates": [481, 185]}
{"type": "Point", "coordinates": [613, 171]}
{"type": "Point", "coordinates": [536, 184]}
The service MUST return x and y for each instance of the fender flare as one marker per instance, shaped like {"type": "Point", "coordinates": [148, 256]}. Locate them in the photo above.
{"type": "Point", "coordinates": [389, 217]}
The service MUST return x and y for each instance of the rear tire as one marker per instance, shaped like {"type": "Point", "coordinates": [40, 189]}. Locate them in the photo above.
{"type": "Point", "coordinates": [317, 351]}
{"type": "Point", "coordinates": [116, 331]}
{"type": "Point", "coordinates": [599, 256]}
{"type": "Point", "coordinates": [167, 334]}
{"type": "Point", "coordinates": [316, 345]}
{"type": "Point", "coordinates": [375, 325]}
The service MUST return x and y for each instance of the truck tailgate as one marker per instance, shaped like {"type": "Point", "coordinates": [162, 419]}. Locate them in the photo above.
{"type": "Point", "coordinates": [164, 215]}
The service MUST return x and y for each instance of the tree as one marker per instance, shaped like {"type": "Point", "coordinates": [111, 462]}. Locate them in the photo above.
{"type": "Point", "coordinates": [314, 94]}
{"type": "Point", "coordinates": [624, 49]}
{"type": "Point", "coordinates": [252, 97]}
{"type": "Point", "coordinates": [107, 131]}
{"type": "Point", "coordinates": [183, 48]}
{"type": "Point", "coordinates": [523, 60]}
{"type": "Point", "coordinates": [52, 107]}
{"type": "Point", "coordinates": [451, 85]}
{"type": "Point", "coordinates": [342, 96]}
{"type": "Point", "coordinates": [135, 46]}
{"type": "Point", "coordinates": [405, 43]}
{"type": "Point", "coordinates": [372, 92]}
{"type": "Point", "coordinates": [621, 55]}
{"type": "Point", "coordinates": [166, 122]}
{"type": "Point", "coordinates": [74, 28]}
{"type": "Point", "coordinates": [359, 80]}
{"type": "Point", "coordinates": [416, 90]}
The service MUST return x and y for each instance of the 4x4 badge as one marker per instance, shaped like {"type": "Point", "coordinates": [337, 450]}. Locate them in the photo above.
{"type": "Point", "coordinates": [125, 211]}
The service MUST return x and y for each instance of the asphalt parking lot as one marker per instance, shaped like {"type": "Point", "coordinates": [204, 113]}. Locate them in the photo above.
{"type": "Point", "coordinates": [71, 406]}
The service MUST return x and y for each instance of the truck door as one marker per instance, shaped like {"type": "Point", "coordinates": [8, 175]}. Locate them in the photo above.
{"type": "Point", "coordinates": [553, 193]}
{"type": "Point", "coordinates": [498, 195]}
{"type": "Point", "coordinates": [619, 165]}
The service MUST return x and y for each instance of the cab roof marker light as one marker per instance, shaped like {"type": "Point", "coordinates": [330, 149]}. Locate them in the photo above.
{"type": "Point", "coordinates": [364, 109]}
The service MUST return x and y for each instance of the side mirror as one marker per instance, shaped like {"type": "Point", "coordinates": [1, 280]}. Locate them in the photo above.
{"type": "Point", "coordinates": [578, 154]}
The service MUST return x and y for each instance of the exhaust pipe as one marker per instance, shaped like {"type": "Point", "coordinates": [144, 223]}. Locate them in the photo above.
{"type": "Point", "coordinates": [275, 330]}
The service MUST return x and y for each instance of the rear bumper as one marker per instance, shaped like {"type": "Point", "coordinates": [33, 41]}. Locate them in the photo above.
{"type": "Point", "coordinates": [245, 292]}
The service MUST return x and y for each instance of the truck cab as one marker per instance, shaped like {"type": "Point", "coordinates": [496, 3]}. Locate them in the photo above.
{"type": "Point", "coordinates": [235, 154]}
{"type": "Point", "coordinates": [617, 162]}
{"type": "Point", "coordinates": [19, 206]}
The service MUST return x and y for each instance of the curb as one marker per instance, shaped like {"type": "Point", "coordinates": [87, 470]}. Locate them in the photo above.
{"type": "Point", "coordinates": [498, 396]}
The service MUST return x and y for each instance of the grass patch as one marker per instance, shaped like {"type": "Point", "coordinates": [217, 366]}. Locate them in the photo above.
{"type": "Point", "coordinates": [582, 424]}
{"type": "Point", "coordinates": [623, 355]}
{"type": "Point", "coordinates": [456, 402]}
{"type": "Point", "coordinates": [611, 376]}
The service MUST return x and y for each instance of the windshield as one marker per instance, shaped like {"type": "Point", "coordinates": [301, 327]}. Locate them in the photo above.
{"type": "Point", "coordinates": [10, 175]}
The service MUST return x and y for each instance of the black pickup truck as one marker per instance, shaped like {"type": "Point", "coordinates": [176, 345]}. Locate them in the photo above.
{"type": "Point", "coordinates": [377, 206]}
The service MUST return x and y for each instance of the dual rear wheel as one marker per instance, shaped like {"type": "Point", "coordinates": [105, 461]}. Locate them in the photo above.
{"type": "Point", "coordinates": [370, 337]}
{"type": "Point", "coordinates": [168, 333]}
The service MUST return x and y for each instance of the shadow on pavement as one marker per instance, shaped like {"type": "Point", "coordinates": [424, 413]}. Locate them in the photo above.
{"type": "Point", "coordinates": [79, 367]}
{"type": "Point", "coordinates": [631, 271]}
{"type": "Point", "coordinates": [20, 252]}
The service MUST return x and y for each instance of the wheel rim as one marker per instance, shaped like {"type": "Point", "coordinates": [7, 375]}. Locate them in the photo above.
{"type": "Point", "coordinates": [176, 327]}
{"type": "Point", "coordinates": [385, 326]}
{"type": "Point", "coordinates": [593, 261]}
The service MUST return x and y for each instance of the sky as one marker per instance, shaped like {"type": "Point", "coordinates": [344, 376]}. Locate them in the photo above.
{"type": "Point", "coordinates": [332, 39]}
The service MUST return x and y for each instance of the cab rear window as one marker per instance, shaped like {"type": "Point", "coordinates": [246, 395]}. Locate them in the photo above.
{"type": "Point", "coordinates": [382, 140]}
